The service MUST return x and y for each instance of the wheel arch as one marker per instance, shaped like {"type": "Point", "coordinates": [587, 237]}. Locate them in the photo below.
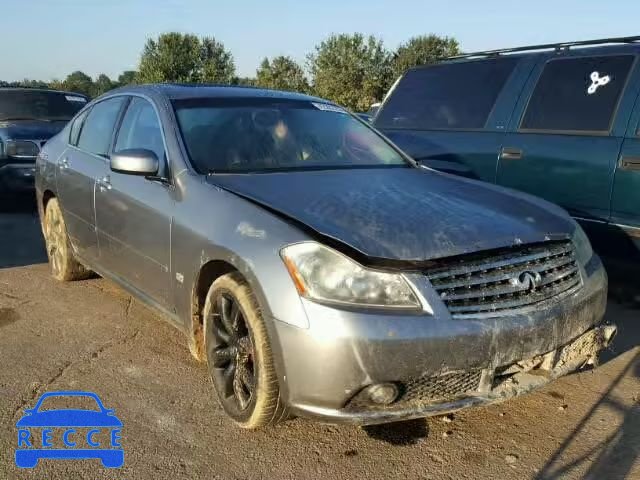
{"type": "Point", "coordinates": [208, 273]}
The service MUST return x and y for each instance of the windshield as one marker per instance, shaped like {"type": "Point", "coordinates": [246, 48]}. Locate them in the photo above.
{"type": "Point", "coordinates": [39, 105]}
{"type": "Point", "coordinates": [262, 135]}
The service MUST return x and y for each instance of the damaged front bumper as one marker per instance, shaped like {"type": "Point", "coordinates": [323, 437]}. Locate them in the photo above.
{"type": "Point", "coordinates": [438, 363]}
{"type": "Point", "coordinates": [494, 385]}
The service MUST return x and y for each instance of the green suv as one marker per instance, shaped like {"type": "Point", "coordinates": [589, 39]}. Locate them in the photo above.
{"type": "Point", "coordinates": [559, 121]}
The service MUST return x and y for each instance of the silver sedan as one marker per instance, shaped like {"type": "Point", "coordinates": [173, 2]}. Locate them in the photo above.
{"type": "Point", "coordinates": [315, 267]}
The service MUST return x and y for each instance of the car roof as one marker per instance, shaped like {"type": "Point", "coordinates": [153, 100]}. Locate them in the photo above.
{"type": "Point", "coordinates": [48, 90]}
{"type": "Point", "coordinates": [175, 91]}
{"type": "Point", "coordinates": [611, 49]}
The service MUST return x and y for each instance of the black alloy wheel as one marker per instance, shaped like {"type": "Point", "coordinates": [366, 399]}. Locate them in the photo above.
{"type": "Point", "coordinates": [232, 353]}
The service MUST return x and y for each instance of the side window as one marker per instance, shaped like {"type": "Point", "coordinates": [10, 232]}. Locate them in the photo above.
{"type": "Point", "coordinates": [97, 131]}
{"type": "Point", "coordinates": [577, 94]}
{"type": "Point", "coordinates": [447, 96]}
{"type": "Point", "coordinates": [141, 129]}
{"type": "Point", "coordinates": [76, 127]}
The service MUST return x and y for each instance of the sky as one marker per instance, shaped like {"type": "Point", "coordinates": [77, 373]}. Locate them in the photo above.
{"type": "Point", "coordinates": [47, 39]}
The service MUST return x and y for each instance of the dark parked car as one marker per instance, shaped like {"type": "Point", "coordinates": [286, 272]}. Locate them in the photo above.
{"type": "Point", "coordinates": [316, 267]}
{"type": "Point", "coordinates": [557, 121]}
{"type": "Point", "coordinates": [28, 118]}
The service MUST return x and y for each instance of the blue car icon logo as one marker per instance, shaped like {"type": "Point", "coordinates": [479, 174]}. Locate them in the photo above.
{"type": "Point", "coordinates": [67, 426]}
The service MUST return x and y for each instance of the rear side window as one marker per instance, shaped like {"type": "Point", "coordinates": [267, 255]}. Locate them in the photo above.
{"type": "Point", "coordinates": [97, 130]}
{"type": "Point", "coordinates": [448, 96]}
{"type": "Point", "coordinates": [577, 94]}
{"type": "Point", "coordinates": [76, 127]}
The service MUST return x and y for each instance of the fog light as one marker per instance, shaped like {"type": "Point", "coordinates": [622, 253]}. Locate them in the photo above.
{"type": "Point", "coordinates": [382, 393]}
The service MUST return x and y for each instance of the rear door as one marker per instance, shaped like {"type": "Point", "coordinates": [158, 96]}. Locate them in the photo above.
{"type": "Point", "coordinates": [78, 168]}
{"type": "Point", "coordinates": [452, 116]}
{"type": "Point", "coordinates": [567, 133]}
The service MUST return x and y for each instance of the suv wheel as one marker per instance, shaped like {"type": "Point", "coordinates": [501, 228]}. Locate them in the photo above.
{"type": "Point", "coordinates": [64, 266]}
{"type": "Point", "coordinates": [239, 354]}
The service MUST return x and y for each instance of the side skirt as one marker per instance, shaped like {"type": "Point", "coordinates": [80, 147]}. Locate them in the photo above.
{"type": "Point", "coordinates": [170, 317]}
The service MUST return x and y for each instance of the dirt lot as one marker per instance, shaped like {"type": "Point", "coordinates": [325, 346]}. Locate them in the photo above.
{"type": "Point", "coordinates": [92, 336]}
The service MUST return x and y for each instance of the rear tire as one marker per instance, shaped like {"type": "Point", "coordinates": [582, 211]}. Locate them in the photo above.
{"type": "Point", "coordinates": [64, 266]}
{"type": "Point", "coordinates": [239, 354]}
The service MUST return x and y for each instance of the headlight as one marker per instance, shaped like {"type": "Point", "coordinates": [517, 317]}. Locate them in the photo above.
{"type": "Point", "coordinates": [584, 252]}
{"type": "Point", "coordinates": [320, 273]}
{"type": "Point", "coordinates": [21, 148]}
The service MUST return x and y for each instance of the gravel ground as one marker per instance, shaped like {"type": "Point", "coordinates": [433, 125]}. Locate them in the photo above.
{"type": "Point", "coordinates": [92, 336]}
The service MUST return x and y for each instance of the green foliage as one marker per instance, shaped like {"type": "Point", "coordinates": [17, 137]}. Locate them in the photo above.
{"type": "Point", "coordinates": [423, 50]}
{"type": "Point", "coordinates": [33, 83]}
{"type": "Point", "coordinates": [78, 82]}
{"type": "Point", "coordinates": [128, 77]}
{"type": "Point", "coordinates": [177, 57]}
{"type": "Point", "coordinates": [102, 85]}
{"type": "Point", "coordinates": [351, 70]}
{"type": "Point", "coordinates": [282, 73]}
{"type": "Point", "coordinates": [243, 81]}
{"type": "Point", "coordinates": [217, 63]}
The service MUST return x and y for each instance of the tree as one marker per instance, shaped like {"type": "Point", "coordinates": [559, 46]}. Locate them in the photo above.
{"type": "Point", "coordinates": [102, 85]}
{"type": "Point", "coordinates": [351, 70]}
{"type": "Point", "coordinates": [177, 57]}
{"type": "Point", "coordinates": [243, 81]}
{"type": "Point", "coordinates": [57, 85]}
{"type": "Point", "coordinates": [423, 50]}
{"type": "Point", "coordinates": [79, 82]}
{"type": "Point", "coordinates": [217, 63]}
{"type": "Point", "coordinates": [282, 73]}
{"type": "Point", "coordinates": [33, 83]}
{"type": "Point", "coordinates": [127, 77]}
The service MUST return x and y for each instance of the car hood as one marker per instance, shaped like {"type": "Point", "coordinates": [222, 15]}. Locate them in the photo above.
{"type": "Point", "coordinates": [407, 214]}
{"type": "Point", "coordinates": [29, 130]}
{"type": "Point", "coordinates": [69, 418]}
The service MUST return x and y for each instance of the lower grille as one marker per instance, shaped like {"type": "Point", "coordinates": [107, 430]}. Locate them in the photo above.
{"type": "Point", "coordinates": [442, 387]}
{"type": "Point", "coordinates": [424, 391]}
{"type": "Point", "coordinates": [500, 282]}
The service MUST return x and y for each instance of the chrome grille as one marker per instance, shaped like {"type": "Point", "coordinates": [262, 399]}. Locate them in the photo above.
{"type": "Point", "coordinates": [495, 283]}
{"type": "Point", "coordinates": [448, 386]}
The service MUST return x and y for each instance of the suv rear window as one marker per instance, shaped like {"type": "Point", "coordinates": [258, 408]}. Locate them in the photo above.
{"type": "Point", "coordinates": [44, 105]}
{"type": "Point", "coordinates": [448, 96]}
{"type": "Point", "coordinates": [577, 94]}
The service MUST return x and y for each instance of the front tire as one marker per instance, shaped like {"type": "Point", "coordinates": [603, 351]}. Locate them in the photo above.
{"type": "Point", "coordinates": [64, 266]}
{"type": "Point", "coordinates": [239, 354]}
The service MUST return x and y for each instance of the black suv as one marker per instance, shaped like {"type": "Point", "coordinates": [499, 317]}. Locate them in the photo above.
{"type": "Point", "coordinates": [28, 118]}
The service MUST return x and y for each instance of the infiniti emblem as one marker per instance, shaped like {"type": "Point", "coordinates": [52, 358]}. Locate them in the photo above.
{"type": "Point", "coordinates": [527, 280]}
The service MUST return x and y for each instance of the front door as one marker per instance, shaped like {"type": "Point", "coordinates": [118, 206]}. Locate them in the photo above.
{"type": "Point", "coordinates": [82, 162]}
{"type": "Point", "coordinates": [133, 213]}
{"type": "Point", "coordinates": [625, 200]}
{"type": "Point", "coordinates": [452, 116]}
{"type": "Point", "coordinates": [566, 136]}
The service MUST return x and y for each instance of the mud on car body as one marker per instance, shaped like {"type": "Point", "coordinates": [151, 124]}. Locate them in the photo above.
{"type": "Point", "coordinates": [316, 268]}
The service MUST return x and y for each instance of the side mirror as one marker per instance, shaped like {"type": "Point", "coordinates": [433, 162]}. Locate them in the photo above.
{"type": "Point", "coordinates": [135, 161]}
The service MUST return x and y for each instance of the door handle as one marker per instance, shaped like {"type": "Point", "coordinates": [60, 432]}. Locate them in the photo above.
{"type": "Point", "coordinates": [104, 183]}
{"type": "Point", "coordinates": [509, 153]}
{"type": "Point", "coordinates": [630, 163]}
{"type": "Point", "coordinates": [64, 164]}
